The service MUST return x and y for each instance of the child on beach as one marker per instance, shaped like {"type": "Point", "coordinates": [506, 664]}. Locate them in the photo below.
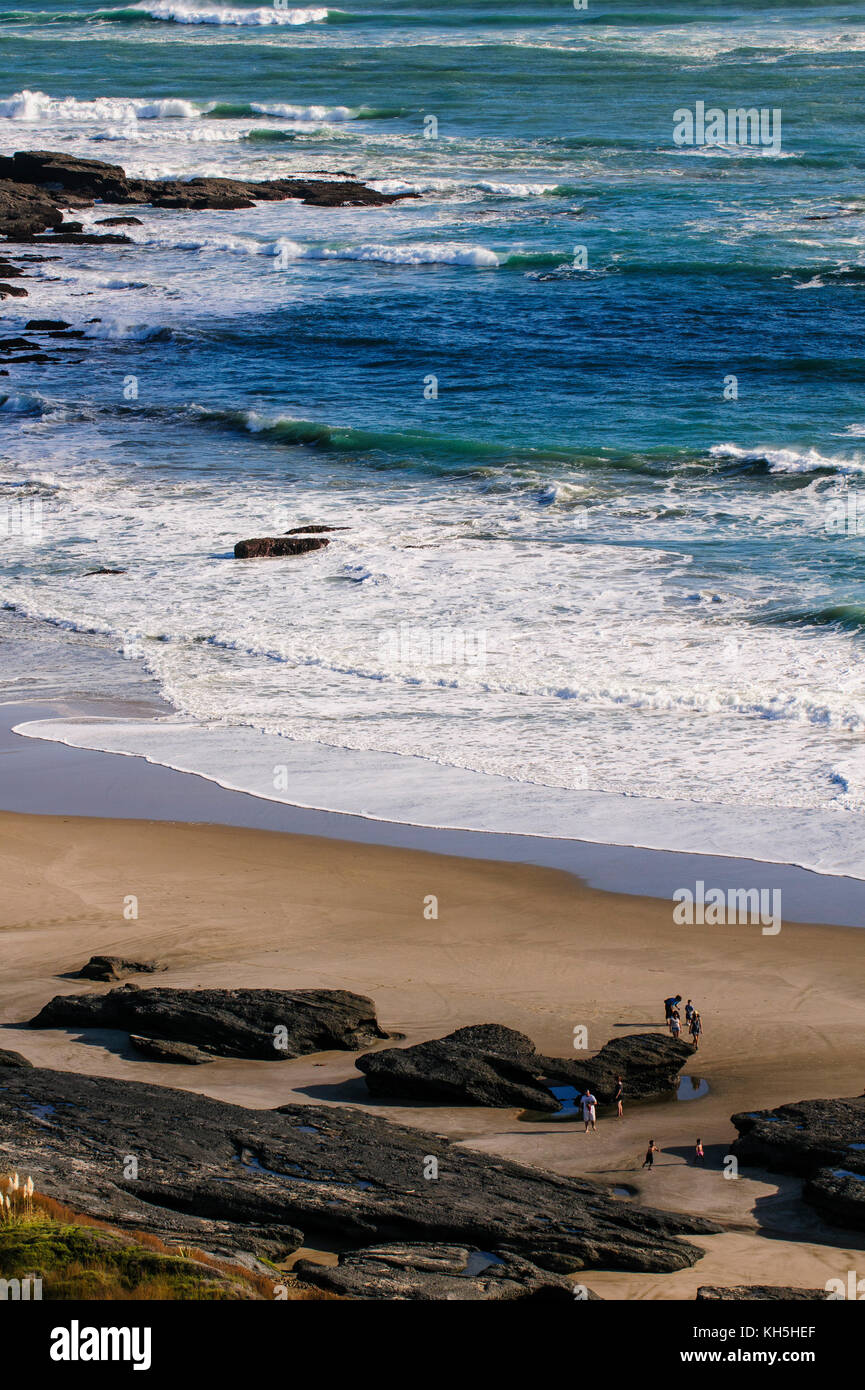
{"type": "Point", "coordinates": [695, 1030]}
{"type": "Point", "coordinates": [689, 1012]}
{"type": "Point", "coordinates": [617, 1098]}
{"type": "Point", "coordinates": [675, 1024]}
{"type": "Point", "coordinates": [699, 1156]}
{"type": "Point", "coordinates": [649, 1160]}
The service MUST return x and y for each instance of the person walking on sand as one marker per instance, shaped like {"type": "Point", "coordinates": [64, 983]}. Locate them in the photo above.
{"type": "Point", "coordinates": [696, 1030]}
{"type": "Point", "coordinates": [699, 1156]}
{"type": "Point", "coordinates": [689, 1012]}
{"type": "Point", "coordinates": [669, 1005]}
{"type": "Point", "coordinates": [588, 1103]}
{"type": "Point", "coordinates": [675, 1024]}
{"type": "Point", "coordinates": [617, 1098]}
{"type": "Point", "coordinates": [649, 1160]}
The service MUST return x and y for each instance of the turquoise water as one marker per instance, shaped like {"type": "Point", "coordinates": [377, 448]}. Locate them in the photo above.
{"type": "Point", "coordinates": [655, 575]}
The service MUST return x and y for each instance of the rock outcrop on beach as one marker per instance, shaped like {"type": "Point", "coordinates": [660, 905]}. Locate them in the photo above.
{"type": "Point", "coordinates": [757, 1293]}
{"type": "Point", "coordinates": [488, 1064]}
{"type": "Point", "coordinates": [237, 1180]}
{"type": "Point", "coordinates": [37, 186]}
{"type": "Point", "coordinates": [274, 547]}
{"type": "Point", "coordinates": [267, 1024]}
{"type": "Point", "coordinates": [117, 967]}
{"type": "Point", "coordinates": [13, 1059]}
{"type": "Point", "coordinates": [822, 1141]}
{"type": "Point", "coordinates": [441, 1272]}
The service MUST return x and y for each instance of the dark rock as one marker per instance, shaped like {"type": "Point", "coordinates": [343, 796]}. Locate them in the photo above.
{"type": "Point", "coordinates": [649, 1063]}
{"type": "Point", "coordinates": [12, 291]}
{"type": "Point", "coordinates": [13, 1059]}
{"type": "Point", "coordinates": [226, 1022]}
{"type": "Point", "coordinates": [762, 1293]}
{"type": "Point", "coordinates": [441, 1272]}
{"type": "Point", "coordinates": [274, 547]}
{"type": "Point", "coordinates": [86, 574]}
{"type": "Point", "coordinates": [35, 324]}
{"type": "Point", "coordinates": [26, 210]}
{"type": "Point", "coordinates": [7, 343]}
{"type": "Point", "coordinates": [90, 177]}
{"type": "Point", "coordinates": [63, 238]}
{"type": "Point", "coordinates": [160, 1051]}
{"type": "Point", "coordinates": [822, 1141]}
{"type": "Point", "coordinates": [489, 1064]}
{"type": "Point", "coordinates": [119, 222]}
{"type": "Point", "coordinates": [307, 530]}
{"type": "Point", "coordinates": [486, 1065]}
{"type": "Point", "coordinates": [224, 1175]}
{"type": "Point", "coordinates": [117, 967]}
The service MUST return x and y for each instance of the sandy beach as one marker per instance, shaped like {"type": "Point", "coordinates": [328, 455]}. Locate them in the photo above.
{"type": "Point", "coordinates": [532, 948]}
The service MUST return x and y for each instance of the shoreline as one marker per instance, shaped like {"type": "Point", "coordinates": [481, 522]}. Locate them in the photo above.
{"type": "Point", "coordinates": [52, 778]}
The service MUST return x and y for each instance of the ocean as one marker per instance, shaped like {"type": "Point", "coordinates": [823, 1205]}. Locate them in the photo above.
{"type": "Point", "coordinates": [589, 404]}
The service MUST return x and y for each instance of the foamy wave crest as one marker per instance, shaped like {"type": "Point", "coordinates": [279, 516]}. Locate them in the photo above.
{"type": "Point", "coordinates": [39, 106]}
{"type": "Point", "coordinates": [790, 460]}
{"type": "Point", "coordinates": [23, 403]}
{"type": "Point", "coordinates": [444, 253]}
{"type": "Point", "coordinates": [260, 16]}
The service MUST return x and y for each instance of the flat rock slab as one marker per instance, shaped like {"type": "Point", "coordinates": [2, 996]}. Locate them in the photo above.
{"type": "Point", "coordinates": [822, 1141]}
{"type": "Point", "coordinates": [488, 1064]}
{"type": "Point", "coordinates": [117, 967]}
{"type": "Point", "coordinates": [758, 1293]}
{"type": "Point", "coordinates": [158, 1050]}
{"type": "Point", "coordinates": [309, 1172]}
{"type": "Point", "coordinates": [264, 1024]}
{"type": "Point", "coordinates": [440, 1272]}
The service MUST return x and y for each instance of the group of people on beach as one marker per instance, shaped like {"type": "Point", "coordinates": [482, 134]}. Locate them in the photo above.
{"type": "Point", "coordinates": [673, 1018]}
{"type": "Point", "coordinates": [649, 1160]}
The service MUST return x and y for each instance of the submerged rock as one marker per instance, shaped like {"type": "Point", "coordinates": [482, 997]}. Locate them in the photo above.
{"type": "Point", "coordinates": [268, 1024]}
{"type": "Point", "coordinates": [116, 967]}
{"type": "Point", "coordinates": [444, 1272]}
{"type": "Point", "coordinates": [274, 547]}
{"type": "Point", "coordinates": [12, 292]}
{"type": "Point", "coordinates": [231, 1178]}
{"type": "Point", "coordinates": [822, 1141]}
{"type": "Point", "coordinates": [488, 1064]}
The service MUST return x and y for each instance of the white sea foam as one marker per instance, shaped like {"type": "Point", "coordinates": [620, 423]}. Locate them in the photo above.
{"type": "Point", "coordinates": [381, 786]}
{"type": "Point", "coordinates": [39, 106]}
{"type": "Point", "coordinates": [790, 460]}
{"type": "Point", "coordinates": [260, 16]}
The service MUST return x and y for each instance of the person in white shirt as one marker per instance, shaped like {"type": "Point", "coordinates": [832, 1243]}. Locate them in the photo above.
{"type": "Point", "coordinates": [588, 1103]}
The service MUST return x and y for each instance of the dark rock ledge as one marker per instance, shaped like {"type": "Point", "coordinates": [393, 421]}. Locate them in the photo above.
{"type": "Point", "coordinates": [489, 1064]}
{"type": "Point", "coordinates": [226, 1022]}
{"type": "Point", "coordinates": [822, 1141]}
{"type": "Point", "coordinates": [37, 186]}
{"type": "Point", "coordinates": [266, 1181]}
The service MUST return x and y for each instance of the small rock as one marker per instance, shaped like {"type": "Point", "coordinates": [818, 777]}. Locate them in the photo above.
{"type": "Point", "coordinates": [274, 547]}
{"type": "Point", "coordinates": [117, 967]}
{"type": "Point", "coordinates": [119, 222]}
{"type": "Point", "coordinates": [35, 324]}
{"type": "Point", "coordinates": [12, 291]}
